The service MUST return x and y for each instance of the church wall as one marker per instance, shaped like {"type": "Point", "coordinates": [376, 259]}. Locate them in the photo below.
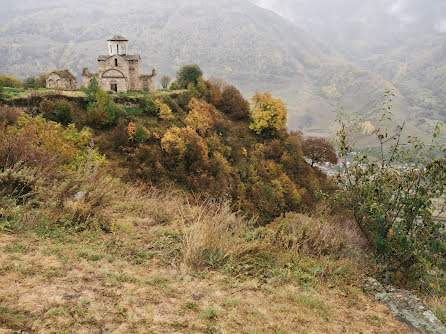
{"type": "Point", "coordinates": [152, 84]}
{"type": "Point", "coordinates": [134, 73]}
{"type": "Point", "coordinates": [109, 64]}
{"type": "Point", "coordinates": [121, 82]}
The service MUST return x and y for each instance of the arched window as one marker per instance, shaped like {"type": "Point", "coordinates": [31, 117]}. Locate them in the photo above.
{"type": "Point", "coordinates": [116, 62]}
{"type": "Point", "coordinates": [117, 48]}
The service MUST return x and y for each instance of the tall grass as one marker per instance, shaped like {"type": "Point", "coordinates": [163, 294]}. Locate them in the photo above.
{"type": "Point", "coordinates": [214, 236]}
{"type": "Point", "coordinates": [294, 245]}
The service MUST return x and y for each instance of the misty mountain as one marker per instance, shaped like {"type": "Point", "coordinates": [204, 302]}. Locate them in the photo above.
{"type": "Point", "coordinates": [249, 46]}
{"type": "Point", "coordinates": [402, 41]}
{"type": "Point", "coordinates": [361, 28]}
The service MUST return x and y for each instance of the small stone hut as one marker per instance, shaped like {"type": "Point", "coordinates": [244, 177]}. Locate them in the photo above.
{"type": "Point", "coordinates": [61, 80]}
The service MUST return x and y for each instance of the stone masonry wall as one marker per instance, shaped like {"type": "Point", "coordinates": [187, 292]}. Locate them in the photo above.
{"type": "Point", "coordinates": [109, 64]}
{"type": "Point", "coordinates": [54, 81]}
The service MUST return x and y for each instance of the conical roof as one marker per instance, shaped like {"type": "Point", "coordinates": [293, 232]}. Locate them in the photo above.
{"type": "Point", "coordinates": [118, 38]}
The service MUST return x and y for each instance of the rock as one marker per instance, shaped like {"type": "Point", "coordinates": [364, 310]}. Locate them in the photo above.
{"type": "Point", "coordinates": [406, 307]}
{"type": "Point", "coordinates": [80, 195]}
{"type": "Point", "coordinates": [372, 286]}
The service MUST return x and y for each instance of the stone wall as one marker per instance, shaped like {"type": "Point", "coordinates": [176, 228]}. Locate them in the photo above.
{"type": "Point", "coordinates": [108, 71]}
{"type": "Point", "coordinates": [152, 84]}
{"type": "Point", "coordinates": [54, 81]}
{"type": "Point", "coordinates": [122, 84]}
{"type": "Point", "coordinates": [134, 73]}
{"type": "Point", "coordinates": [86, 80]}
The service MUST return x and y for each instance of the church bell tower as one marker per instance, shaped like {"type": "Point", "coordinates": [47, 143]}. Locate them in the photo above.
{"type": "Point", "coordinates": [117, 45]}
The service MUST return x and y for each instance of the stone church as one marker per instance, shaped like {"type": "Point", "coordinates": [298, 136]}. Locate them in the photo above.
{"type": "Point", "coordinates": [120, 72]}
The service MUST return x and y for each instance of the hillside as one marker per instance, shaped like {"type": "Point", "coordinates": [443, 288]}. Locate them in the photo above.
{"type": "Point", "coordinates": [84, 252]}
{"type": "Point", "coordinates": [420, 76]}
{"type": "Point", "coordinates": [277, 56]}
{"type": "Point", "coordinates": [184, 211]}
{"type": "Point", "coordinates": [360, 30]}
{"type": "Point", "coordinates": [401, 41]}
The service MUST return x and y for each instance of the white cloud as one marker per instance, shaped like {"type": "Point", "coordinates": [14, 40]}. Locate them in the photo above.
{"type": "Point", "coordinates": [399, 9]}
{"type": "Point", "coordinates": [396, 8]}
{"type": "Point", "coordinates": [441, 26]}
{"type": "Point", "coordinates": [268, 4]}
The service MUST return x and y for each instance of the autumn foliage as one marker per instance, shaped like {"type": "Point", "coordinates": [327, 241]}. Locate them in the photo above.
{"type": "Point", "coordinates": [269, 115]}
{"type": "Point", "coordinates": [207, 140]}
{"type": "Point", "coordinates": [319, 150]}
{"type": "Point", "coordinates": [233, 103]}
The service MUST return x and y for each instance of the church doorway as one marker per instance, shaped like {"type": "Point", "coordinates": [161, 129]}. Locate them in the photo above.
{"type": "Point", "coordinates": [114, 87]}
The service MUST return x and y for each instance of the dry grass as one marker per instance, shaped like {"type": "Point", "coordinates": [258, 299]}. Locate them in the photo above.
{"type": "Point", "coordinates": [78, 286]}
{"type": "Point", "coordinates": [213, 236]}
{"type": "Point", "coordinates": [438, 306]}
{"type": "Point", "coordinates": [167, 266]}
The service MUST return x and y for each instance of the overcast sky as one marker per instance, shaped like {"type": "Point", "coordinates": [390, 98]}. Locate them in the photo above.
{"type": "Point", "coordinates": [430, 13]}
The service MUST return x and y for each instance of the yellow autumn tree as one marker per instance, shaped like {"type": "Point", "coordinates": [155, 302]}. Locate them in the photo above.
{"type": "Point", "coordinates": [164, 110]}
{"type": "Point", "coordinates": [269, 114]}
{"type": "Point", "coordinates": [202, 117]}
{"type": "Point", "coordinates": [185, 146]}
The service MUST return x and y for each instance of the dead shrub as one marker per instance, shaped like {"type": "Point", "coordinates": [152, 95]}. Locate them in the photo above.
{"type": "Point", "coordinates": [9, 115]}
{"type": "Point", "coordinates": [85, 207]}
{"type": "Point", "coordinates": [20, 182]}
{"type": "Point", "coordinates": [79, 201]}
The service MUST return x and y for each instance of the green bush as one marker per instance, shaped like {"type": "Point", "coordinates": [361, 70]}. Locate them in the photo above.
{"type": "Point", "coordinates": [392, 194]}
{"type": "Point", "coordinates": [102, 110]}
{"type": "Point", "coordinates": [62, 112]}
{"type": "Point", "coordinates": [173, 105]}
{"type": "Point", "coordinates": [59, 111]}
{"type": "Point", "coordinates": [140, 134]}
{"type": "Point", "coordinates": [91, 90]}
{"type": "Point", "coordinates": [35, 83]}
{"type": "Point", "coordinates": [147, 104]}
{"type": "Point", "coordinates": [29, 82]}
{"type": "Point", "coordinates": [184, 99]}
{"type": "Point", "coordinates": [174, 85]}
{"type": "Point", "coordinates": [188, 74]}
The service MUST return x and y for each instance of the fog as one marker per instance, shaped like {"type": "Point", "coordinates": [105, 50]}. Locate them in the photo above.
{"type": "Point", "coordinates": [366, 28]}
{"type": "Point", "coordinates": [430, 13]}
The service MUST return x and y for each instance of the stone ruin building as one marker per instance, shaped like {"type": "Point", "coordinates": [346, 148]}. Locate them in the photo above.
{"type": "Point", "coordinates": [61, 80]}
{"type": "Point", "coordinates": [120, 72]}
